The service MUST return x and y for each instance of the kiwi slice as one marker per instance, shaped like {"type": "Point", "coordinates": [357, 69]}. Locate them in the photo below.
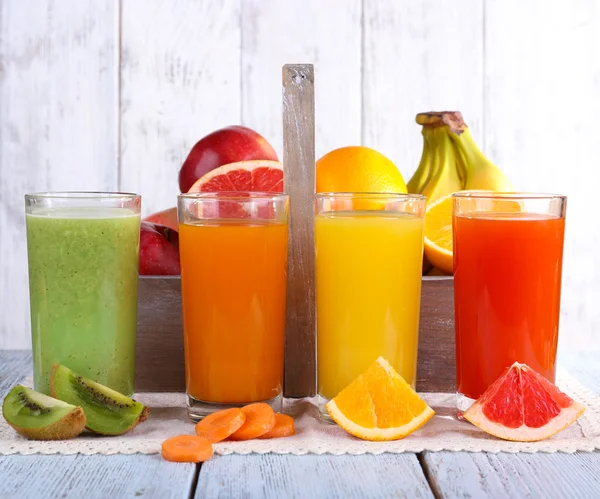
{"type": "Point", "coordinates": [39, 417]}
{"type": "Point", "coordinates": [107, 411]}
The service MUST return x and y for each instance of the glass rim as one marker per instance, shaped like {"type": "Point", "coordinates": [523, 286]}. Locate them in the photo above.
{"type": "Point", "coordinates": [399, 196]}
{"type": "Point", "coordinates": [235, 195]}
{"type": "Point", "coordinates": [506, 195]}
{"type": "Point", "coordinates": [82, 195]}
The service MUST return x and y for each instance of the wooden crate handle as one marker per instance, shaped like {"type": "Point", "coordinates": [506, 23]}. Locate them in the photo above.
{"type": "Point", "coordinates": [299, 181]}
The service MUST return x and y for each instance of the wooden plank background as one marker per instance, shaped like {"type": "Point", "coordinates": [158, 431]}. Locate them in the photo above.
{"type": "Point", "coordinates": [111, 94]}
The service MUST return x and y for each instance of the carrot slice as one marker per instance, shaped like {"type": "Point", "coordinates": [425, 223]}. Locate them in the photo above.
{"type": "Point", "coordinates": [284, 427]}
{"type": "Point", "coordinates": [219, 425]}
{"type": "Point", "coordinates": [187, 449]}
{"type": "Point", "coordinates": [260, 418]}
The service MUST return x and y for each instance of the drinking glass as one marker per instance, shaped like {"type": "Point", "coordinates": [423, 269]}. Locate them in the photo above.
{"type": "Point", "coordinates": [83, 252]}
{"type": "Point", "coordinates": [369, 254]}
{"type": "Point", "coordinates": [233, 249]}
{"type": "Point", "coordinates": [508, 251]}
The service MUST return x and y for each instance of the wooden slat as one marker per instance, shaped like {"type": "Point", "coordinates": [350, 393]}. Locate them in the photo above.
{"type": "Point", "coordinates": [159, 349]}
{"type": "Point", "coordinates": [541, 129]}
{"type": "Point", "coordinates": [95, 477]}
{"type": "Point", "coordinates": [58, 102]}
{"type": "Point", "coordinates": [326, 34]}
{"type": "Point", "coordinates": [419, 56]}
{"type": "Point", "coordinates": [180, 79]}
{"type": "Point", "coordinates": [159, 364]}
{"type": "Point", "coordinates": [299, 181]}
{"type": "Point", "coordinates": [436, 363]}
{"type": "Point", "coordinates": [343, 477]}
{"type": "Point", "coordinates": [454, 475]}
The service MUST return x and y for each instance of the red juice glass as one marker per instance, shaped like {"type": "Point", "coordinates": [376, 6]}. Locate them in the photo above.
{"type": "Point", "coordinates": [508, 251]}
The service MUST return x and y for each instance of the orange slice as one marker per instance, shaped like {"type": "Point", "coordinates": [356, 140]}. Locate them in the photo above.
{"type": "Point", "coordinates": [438, 234]}
{"type": "Point", "coordinates": [379, 405]}
{"type": "Point", "coordinates": [523, 406]}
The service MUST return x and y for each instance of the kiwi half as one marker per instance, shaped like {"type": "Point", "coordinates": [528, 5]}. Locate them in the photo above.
{"type": "Point", "coordinates": [107, 411]}
{"type": "Point", "coordinates": [39, 417]}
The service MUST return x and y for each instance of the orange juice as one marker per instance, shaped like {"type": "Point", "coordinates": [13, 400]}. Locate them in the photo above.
{"type": "Point", "coordinates": [368, 273]}
{"type": "Point", "coordinates": [233, 277]}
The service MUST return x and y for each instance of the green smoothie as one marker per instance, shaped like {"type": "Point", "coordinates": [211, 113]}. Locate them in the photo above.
{"type": "Point", "coordinates": [83, 280]}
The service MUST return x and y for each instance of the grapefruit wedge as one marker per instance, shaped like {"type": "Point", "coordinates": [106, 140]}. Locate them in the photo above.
{"type": "Point", "coordinates": [243, 176]}
{"type": "Point", "coordinates": [523, 406]}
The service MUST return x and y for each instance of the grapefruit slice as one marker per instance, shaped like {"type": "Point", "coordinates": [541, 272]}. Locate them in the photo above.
{"type": "Point", "coordinates": [243, 176]}
{"type": "Point", "coordinates": [523, 406]}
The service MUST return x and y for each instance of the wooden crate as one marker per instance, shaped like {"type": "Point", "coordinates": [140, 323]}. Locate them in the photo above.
{"type": "Point", "coordinates": [160, 362]}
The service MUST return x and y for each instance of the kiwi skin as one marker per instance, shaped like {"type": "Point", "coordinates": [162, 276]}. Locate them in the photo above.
{"type": "Point", "coordinates": [103, 396]}
{"type": "Point", "coordinates": [69, 426]}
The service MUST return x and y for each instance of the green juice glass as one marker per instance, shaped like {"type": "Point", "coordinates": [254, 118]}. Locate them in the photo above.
{"type": "Point", "coordinates": [83, 251]}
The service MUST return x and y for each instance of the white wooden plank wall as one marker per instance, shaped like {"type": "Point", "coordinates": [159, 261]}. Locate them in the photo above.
{"type": "Point", "coordinates": [111, 94]}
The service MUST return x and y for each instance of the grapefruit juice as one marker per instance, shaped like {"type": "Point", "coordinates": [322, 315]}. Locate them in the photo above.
{"type": "Point", "coordinates": [507, 282]}
{"type": "Point", "coordinates": [233, 287]}
{"type": "Point", "coordinates": [368, 275]}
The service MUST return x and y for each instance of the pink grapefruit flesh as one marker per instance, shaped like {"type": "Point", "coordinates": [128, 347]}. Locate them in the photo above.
{"type": "Point", "coordinates": [523, 406]}
{"type": "Point", "coordinates": [243, 176]}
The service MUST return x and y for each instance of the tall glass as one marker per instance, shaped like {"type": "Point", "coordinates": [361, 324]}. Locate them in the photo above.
{"type": "Point", "coordinates": [508, 251]}
{"type": "Point", "coordinates": [233, 249]}
{"type": "Point", "coordinates": [369, 254]}
{"type": "Point", "coordinates": [83, 251]}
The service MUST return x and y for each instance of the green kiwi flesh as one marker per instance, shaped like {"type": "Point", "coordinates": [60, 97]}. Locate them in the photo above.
{"type": "Point", "coordinates": [39, 417]}
{"type": "Point", "coordinates": [107, 411]}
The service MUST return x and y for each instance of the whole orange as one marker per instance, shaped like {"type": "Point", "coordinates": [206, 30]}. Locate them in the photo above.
{"type": "Point", "coordinates": [358, 169]}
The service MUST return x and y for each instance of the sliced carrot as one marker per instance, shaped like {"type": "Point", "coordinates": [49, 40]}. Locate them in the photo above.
{"type": "Point", "coordinates": [260, 418]}
{"type": "Point", "coordinates": [187, 449]}
{"type": "Point", "coordinates": [219, 425]}
{"type": "Point", "coordinates": [284, 427]}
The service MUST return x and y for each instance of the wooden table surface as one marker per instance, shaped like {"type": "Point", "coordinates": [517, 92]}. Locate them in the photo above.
{"type": "Point", "coordinates": [429, 474]}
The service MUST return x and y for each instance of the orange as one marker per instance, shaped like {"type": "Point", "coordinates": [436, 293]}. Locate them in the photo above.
{"type": "Point", "coordinates": [379, 405]}
{"type": "Point", "coordinates": [523, 406]}
{"type": "Point", "coordinates": [358, 169]}
{"type": "Point", "coordinates": [438, 234]}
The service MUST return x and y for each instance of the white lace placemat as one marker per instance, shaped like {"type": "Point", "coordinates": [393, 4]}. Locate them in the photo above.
{"type": "Point", "coordinates": [168, 417]}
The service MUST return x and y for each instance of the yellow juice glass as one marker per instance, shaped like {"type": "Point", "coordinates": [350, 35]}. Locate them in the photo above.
{"type": "Point", "coordinates": [369, 254]}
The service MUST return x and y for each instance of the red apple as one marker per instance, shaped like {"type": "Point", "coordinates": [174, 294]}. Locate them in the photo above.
{"type": "Point", "coordinates": [165, 217]}
{"type": "Point", "coordinates": [159, 250]}
{"type": "Point", "coordinates": [227, 145]}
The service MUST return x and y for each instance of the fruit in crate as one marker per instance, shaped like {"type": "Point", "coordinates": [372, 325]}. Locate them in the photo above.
{"type": "Point", "coordinates": [258, 175]}
{"type": "Point", "coordinates": [107, 411]}
{"type": "Point", "coordinates": [450, 162]}
{"type": "Point", "coordinates": [379, 405]}
{"type": "Point", "coordinates": [523, 406]}
{"type": "Point", "coordinates": [438, 235]}
{"type": "Point", "coordinates": [357, 169]}
{"type": "Point", "coordinates": [166, 217]}
{"type": "Point", "coordinates": [159, 250]}
{"type": "Point", "coordinates": [40, 417]}
{"type": "Point", "coordinates": [224, 146]}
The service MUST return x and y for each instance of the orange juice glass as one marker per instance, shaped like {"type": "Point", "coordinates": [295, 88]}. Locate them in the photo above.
{"type": "Point", "coordinates": [508, 251]}
{"type": "Point", "coordinates": [233, 249]}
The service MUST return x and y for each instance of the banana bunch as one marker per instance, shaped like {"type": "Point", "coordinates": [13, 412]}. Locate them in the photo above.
{"type": "Point", "coordinates": [451, 161]}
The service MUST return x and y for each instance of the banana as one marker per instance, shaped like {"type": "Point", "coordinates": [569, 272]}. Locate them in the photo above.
{"type": "Point", "coordinates": [481, 173]}
{"type": "Point", "coordinates": [444, 178]}
{"type": "Point", "coordinates": [419, 179]}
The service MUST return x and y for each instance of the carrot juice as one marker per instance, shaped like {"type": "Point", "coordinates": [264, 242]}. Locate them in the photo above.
{"type": "Point", "coordinates": [507, 282]}
{"type": "Point", "coordinates": [233, 277]}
